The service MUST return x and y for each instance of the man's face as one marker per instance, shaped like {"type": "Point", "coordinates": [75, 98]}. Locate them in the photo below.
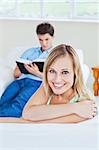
{"type": "Point", "coordinates": [45, 41]}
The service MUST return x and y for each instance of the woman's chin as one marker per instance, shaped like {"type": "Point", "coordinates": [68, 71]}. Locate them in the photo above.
{"type": "Point", "coordinates": [57, 92]}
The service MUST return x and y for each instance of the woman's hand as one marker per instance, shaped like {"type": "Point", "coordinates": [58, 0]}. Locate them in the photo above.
{"type": "Point", "coordinates": [33, 69]}
{"type": "Point", "coordinates": [86, 109]}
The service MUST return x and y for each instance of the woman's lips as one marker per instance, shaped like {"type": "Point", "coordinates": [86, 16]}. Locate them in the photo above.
{"type": "Point", "coordinates": [58, 86]}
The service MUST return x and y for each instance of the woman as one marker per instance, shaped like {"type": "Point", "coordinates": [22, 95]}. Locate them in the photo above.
{"type": "Point", "coordinates": [62, 98]}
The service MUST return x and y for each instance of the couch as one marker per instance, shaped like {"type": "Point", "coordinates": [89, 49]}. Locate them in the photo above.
{"type": "Point", "coordinates": [81, 136]}
{"type": "Point", "coordinates": [7, 67]}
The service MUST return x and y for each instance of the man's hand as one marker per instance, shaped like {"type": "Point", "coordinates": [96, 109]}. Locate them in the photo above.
{"type": "Point", "coordinates": [33, 69]}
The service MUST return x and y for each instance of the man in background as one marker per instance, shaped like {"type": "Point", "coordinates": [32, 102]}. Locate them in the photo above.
{"type": "Point", "coordinates": [24, 86]}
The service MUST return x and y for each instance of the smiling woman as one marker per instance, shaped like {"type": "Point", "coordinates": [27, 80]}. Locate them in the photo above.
{"type": "Point", "coordinates": [62, 98]}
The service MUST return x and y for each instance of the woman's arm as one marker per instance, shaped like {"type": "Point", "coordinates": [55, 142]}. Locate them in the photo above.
{"type": "Point", "coordinates": [66, 119]}
{"type": "Point", "coordinates": [13, 120]}
{"type": "Point", "coordinates": [72, 118]}
{"type": "Point", "coordinates": [37, 110]}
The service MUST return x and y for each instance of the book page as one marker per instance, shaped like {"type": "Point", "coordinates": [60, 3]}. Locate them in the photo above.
{"type": "Point", "coordinates": [24, 61]}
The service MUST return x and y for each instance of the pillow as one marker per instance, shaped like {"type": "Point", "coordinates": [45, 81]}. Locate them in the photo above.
{"type": "Point", "coordinates": [13, 55]}
{"type": "Point", "coordinates": [7, 67]}
{"type": "Point", "coordinates": [84, 67]}
{"type": "Point", "coordinates": [6, 76]}
{"type": "Point", "coordinates": [80, 55]}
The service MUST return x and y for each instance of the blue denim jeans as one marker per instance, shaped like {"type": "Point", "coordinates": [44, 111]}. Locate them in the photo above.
{"type": "Point", "coordinates": [16, 96]}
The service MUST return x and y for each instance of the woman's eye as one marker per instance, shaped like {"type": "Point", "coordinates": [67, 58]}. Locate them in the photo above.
{"type": "Point", "coordinates": [51, 71]}
{"type": "Point", "coordinates": [65, 72]}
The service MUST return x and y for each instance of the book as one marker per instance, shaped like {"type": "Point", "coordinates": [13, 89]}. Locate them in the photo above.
{"type": "Point", "coordinates": [20, 62]}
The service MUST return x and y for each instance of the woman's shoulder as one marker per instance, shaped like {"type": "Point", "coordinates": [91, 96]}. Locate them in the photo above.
{"type": "Point", "coordinates": [75, 99]}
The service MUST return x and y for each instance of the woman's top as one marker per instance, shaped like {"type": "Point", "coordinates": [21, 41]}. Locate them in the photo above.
{"type": "Point", "coordinates": [73, 100]}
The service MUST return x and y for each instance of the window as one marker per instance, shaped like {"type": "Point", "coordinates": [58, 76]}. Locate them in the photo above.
{"type": "Point", "coordinates": [50, 9]}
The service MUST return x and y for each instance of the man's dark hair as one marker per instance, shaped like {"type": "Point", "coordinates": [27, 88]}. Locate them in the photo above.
{"type": "Point", "coordinates": [44, 28]}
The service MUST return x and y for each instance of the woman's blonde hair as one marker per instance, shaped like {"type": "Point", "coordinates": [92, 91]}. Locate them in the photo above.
{"type": "Point", "coordinates": [57, 52]}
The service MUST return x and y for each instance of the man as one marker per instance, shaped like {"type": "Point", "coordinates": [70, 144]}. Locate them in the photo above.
{"type": "Point", "coordinates": [24, 86]}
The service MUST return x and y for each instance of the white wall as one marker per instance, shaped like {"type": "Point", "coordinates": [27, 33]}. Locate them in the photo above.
{"type": "Point", "coordinates": [81, 35]}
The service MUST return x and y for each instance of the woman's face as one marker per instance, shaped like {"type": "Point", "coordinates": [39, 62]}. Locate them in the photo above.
{"type": "Point", "coordinates": [61, 75]}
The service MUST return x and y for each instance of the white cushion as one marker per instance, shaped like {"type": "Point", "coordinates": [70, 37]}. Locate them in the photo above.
{"type": "Point", "coordinates": [6, 76]}
{"type": "Point", "coordinates": [13, 55]}
{"type": "Point", "coordinates": [7, 67]}
{"type": "Point", "coordinates": [85, 69]}
{"type": "Point", "coordinates": [80, 55]}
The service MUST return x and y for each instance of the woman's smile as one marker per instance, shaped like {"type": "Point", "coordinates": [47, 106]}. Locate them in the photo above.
{"type": "Point", "coordinates": [58, 86]}
{"type": "Point", "coordinates": [61, 75]}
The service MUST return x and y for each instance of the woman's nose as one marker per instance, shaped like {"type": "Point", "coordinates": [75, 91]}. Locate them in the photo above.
{"type": "Point", "coordinates": [58, 78]}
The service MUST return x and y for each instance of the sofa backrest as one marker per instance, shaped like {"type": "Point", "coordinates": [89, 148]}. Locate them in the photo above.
{"type": "Point", "coordinates": [13, 55]}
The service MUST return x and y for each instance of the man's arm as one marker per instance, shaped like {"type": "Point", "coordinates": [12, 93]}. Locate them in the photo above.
{"type": "Point", "coordinates": [31, 69]}
{"type": "Point", "coordinates": [17, 72]}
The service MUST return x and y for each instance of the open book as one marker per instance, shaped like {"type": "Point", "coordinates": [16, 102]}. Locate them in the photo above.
{"type": "Point", "coordinates": [20, 62]}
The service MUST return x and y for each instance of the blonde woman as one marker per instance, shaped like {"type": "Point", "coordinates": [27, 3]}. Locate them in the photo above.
{"type": "Point", "coordinates": [62, 98]}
